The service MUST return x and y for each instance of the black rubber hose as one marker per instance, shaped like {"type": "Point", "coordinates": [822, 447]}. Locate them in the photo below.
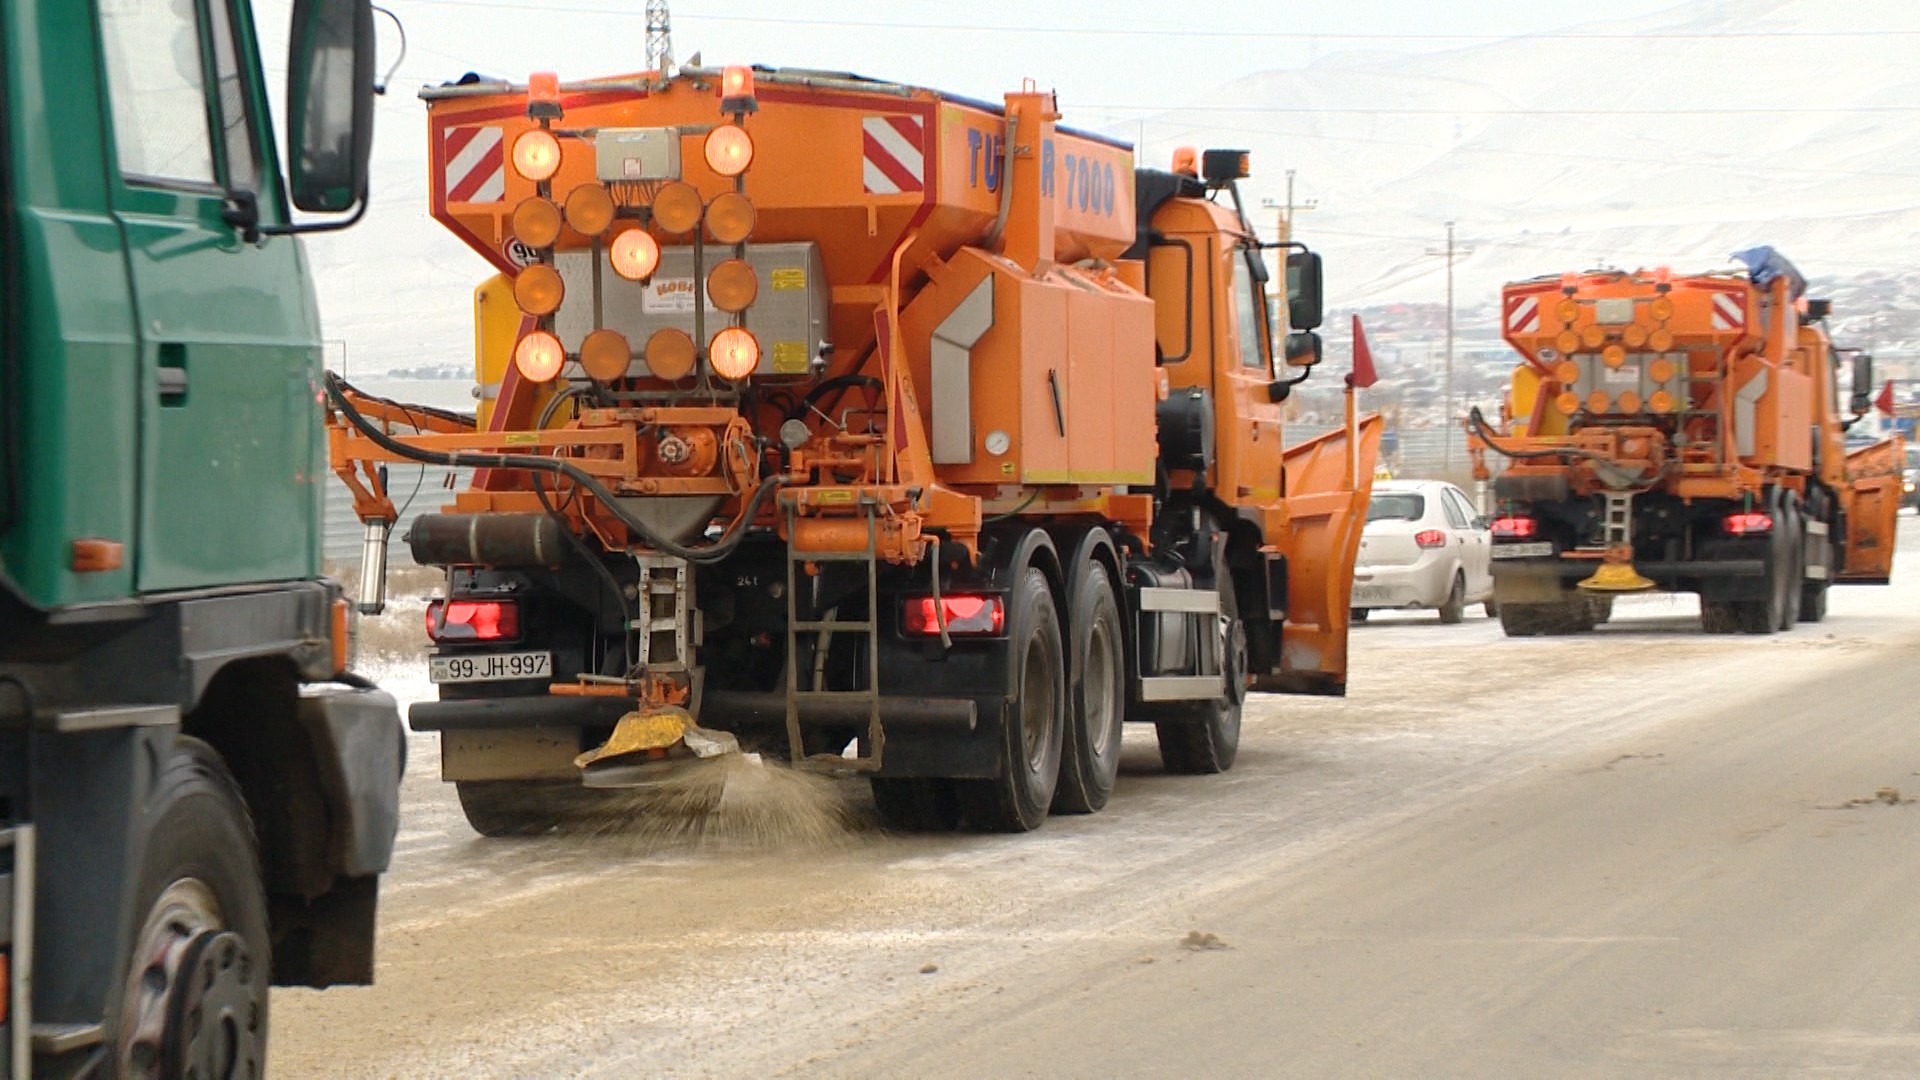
{"type": "Point", "coordinates": [838, 382]}
{"type": "Point", "coordinates": [473, 459]}
{"type": "Point", "coordinates": [1488, 435]}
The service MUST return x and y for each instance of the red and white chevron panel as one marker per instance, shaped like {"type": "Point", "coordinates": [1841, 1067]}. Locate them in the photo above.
{"type": "Point", "coordinates": [1523, 314]}
{"type": "Point", "coordinates": [1728, 312]}
{"type": "Point", "coordinates": [895, 156]}
{"type": "Point", "coordinates": [476, 164]}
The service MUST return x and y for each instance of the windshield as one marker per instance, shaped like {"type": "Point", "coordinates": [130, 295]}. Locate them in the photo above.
{"type": "Point", "coordinates": [1396, 506]}
{"type": "Point", "coordinates": [1250, 311]}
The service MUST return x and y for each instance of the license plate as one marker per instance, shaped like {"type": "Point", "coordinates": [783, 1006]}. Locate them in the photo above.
{"type": "Point", "coordinates": [1523, 551]}
{"type": "Point", "coordinates": [1371, 592]}
{"type": "Point", "coordinates": [490, 667]}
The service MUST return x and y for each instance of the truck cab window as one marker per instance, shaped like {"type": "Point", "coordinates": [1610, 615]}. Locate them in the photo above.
{"type": "Point", "coordinates": [230, 99]}
{"type": "Point", "coordinates": [156, 74]}
{"type": "Point", "coordinates": [1249, 309]}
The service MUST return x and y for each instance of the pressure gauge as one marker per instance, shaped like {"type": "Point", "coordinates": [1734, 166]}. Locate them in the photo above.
{"type": "Point", "coordinates": [998, 442]}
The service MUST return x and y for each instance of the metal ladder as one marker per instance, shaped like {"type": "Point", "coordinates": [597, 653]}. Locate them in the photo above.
{"type": "Point", "coordinates": [869, 627]}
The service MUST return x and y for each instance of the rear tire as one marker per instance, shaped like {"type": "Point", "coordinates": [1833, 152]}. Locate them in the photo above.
{"type": "Point", "coordinates": [1358, 614]}
{"type": "Point", "coordinates": [195, 999]}
{"type": "Point", "coordinates": [1033, 722]}
{"type": "Point", "coordinates": [1793, 554]}
{"type": "Point", "coordinates": [1572, 614]}
{"type": "Point", "coordinates": [1768, 615]}
{"type": "Point", "coordinates": [1813, 594]}
{"type": "Point", "coordinates": [914, 804]}
{"type": "Point", "coordinates": [1090, 753]}
{"type": "Point", "coordinates": [1599, 610]}
{"type": "Point", "coordinates": [1199, 738]}
{"type": "Point", "coordinates": [1454, 607]}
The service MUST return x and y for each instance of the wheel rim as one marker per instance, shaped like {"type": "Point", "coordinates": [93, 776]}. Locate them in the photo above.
{"type": "Point", "coordinates": [1036, 703]}
{"type": "Point", "coordinates": [191, 1001]}
{"type": "Point", "coordinates": [1234, 648]}
{"type": "Point", "coordinates": [1097, 693]}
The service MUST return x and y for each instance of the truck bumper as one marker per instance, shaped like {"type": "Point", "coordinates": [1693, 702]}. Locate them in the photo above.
{"type": "Point", "coordinates": [1544, 579]}
{"type": "Point", "coordinates": [1661, 572]}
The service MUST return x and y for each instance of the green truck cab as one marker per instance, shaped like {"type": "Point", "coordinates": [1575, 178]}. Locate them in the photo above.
{"type": "Point", "coordinates": [196, 797]}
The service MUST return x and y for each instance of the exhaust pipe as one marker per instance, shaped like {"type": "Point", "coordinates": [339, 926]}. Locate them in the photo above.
{"type": "Point", "coordinates": [373, 568]}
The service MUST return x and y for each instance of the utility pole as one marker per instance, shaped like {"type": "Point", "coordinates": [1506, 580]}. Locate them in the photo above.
{"type": "Point", "coordinates": [1450, 252]}
{"type": "Point", "coordinates": [1285, 211]}
{"type": "Point", "coordinates": [659, 38]}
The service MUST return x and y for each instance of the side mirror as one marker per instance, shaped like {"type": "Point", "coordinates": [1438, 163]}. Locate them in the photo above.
{"type": "Point", "coordinates": [330, 78]}
{"type": "Point", "coordinates": [1304, 306]}
{"type": "Point", "coordinates": [1862, 384]}
{"type": "Point", "coordinates": [1303, 349]}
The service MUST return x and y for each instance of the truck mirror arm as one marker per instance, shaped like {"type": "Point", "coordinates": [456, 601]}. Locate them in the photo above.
{"type": "Point", "coordinates": [302, 228]}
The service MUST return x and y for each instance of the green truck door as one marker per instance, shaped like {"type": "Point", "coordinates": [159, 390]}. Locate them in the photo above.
{"type": "Point", "coordinates": [229, 429]}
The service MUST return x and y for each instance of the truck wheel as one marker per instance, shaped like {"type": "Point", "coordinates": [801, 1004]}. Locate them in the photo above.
{"type": "Point", "coordinates": [1017, 799]}
{"type": "Point", "coordinates": [916, 804]}
{"type": "Point", "coordinates": [500, 808]}
{"type": "Point", "coordinates": [1599, 610]}
{"type": "Point", "coordinates": [1523, 620]}
{"type": "Point", "coordinates": [1813, 601]}
{"type": "Point", "coordinates": [195, 1000]}
{"type": "Point", "coordinates": [1454, 607]}
{"type": "Point", "coordinates": [1792, 555]}
{"type": "Point", "coordinates": [1813, 594]}
{"type": "Point", "coordinates": [1719, 616]}
{"type": "Point", "coordinates": [1200, 738]}
{"type": "Point", "coordinates": [1090, 753]}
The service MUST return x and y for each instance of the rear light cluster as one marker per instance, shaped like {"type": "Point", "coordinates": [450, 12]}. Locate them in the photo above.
{"type": "Point", "coordinates": [473, 620]}
{"type": "Point", "coordinates": [1751, 523]}
{"type": "Point", "coordinates": [1515, 528]}
{"type": "Point", "coordinates": [1430, 538]}
{"type": "Point", "coordinates": [982, 615]}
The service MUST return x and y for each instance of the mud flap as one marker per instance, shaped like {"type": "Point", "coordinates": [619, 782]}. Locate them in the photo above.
{"type": "Point", "coordinates": [1871, 504]}
{"type": "Point", "coordinates": [1329, 480]}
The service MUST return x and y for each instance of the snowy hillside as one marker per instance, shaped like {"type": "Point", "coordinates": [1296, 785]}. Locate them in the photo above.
{"type": "Point", "coordinates": [1551, 153]}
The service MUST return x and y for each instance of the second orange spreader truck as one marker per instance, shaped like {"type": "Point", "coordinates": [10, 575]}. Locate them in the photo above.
{"type": "Point", "coordinates": [865, 425]}
{"type": "Point", "coordinates": [1682, 432]}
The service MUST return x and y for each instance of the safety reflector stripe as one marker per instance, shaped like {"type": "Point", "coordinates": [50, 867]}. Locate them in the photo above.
{"type": "Point", "coordinates": [476, 165]}
{"type": "Point", "coordinates": [893, 159]}
{"type": "Point", "coordinates": [1728, 312]}
{"type": "Point", "coordinates": [1523, 314]}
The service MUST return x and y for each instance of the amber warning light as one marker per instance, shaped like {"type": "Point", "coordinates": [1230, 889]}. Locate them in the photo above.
{"type": "Point", "coordinates": [736, 90]}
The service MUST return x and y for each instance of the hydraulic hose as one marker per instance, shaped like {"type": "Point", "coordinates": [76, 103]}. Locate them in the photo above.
{"type": "Point", "coordinates": [473, 459]}
{"type": "Point", "coordinates": [1602, 464]}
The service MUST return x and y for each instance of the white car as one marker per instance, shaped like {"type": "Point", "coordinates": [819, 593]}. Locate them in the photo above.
{"type": "Point", "coordinates": [1424, 546]}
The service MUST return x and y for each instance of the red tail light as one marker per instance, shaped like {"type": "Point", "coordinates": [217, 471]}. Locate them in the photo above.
{"type": "Point", "coordinates": [1430, 538]}
{"type": "Point", "coordinates": [1751, 523]}
{"type": "Point", "coordinates": [473, 620]}
{"type": "Point", "coordinates": [964, 615]}
{"type": "Point", "coordinates": [1515, 528]}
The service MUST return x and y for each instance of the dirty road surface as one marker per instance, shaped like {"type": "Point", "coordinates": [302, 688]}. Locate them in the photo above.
{"type": "Point", "coordinates": [1642, 852]}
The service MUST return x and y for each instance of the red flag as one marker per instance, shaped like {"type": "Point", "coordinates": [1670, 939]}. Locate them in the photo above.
{"type": "Point", "coordinates": [1363, 374]}
{"type": "Point", "coordinates": [1885, 401]}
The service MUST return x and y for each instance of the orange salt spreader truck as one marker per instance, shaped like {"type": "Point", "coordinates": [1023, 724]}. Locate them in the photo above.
{"type": "Point", "coordinates": [863, 425]}
{"type": "Point", "coordinates": [1681, 432]}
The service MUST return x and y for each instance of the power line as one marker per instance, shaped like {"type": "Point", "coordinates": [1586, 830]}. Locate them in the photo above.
{"type": "Point", "coordinates": [1747, 165]}
{"type": "Point", "coordinates": [1323, 110]}
{"type": "Point", "coordinates": [1189, 32]}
